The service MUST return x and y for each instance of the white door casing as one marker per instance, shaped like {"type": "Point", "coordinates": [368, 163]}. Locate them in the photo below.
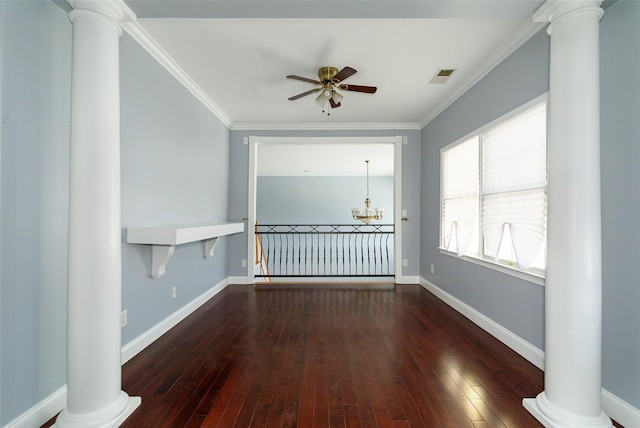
{"type": "Point", "coordinates": [254, 143]}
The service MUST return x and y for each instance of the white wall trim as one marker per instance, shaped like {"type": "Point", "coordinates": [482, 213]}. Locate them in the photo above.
{"type": "Point", "coordinates": [618, 409]}
{"type": "Point", "coordinates": [144, 39]}
{"type": "Point", "coordinates": [532, 354]}
{"type": "Point", "coordinates": [148, 43]}
{"type": "Point", "coordinates": [258, 139]}
{"type": "Point", "coordinates": [240, 280]}
{"type": "Point", "coordinates": [409, 279]}
{"type": "Point", "coordinates": [134, 347]}
{"type": "Point", "coordinates": [522, 35]}
{"type": "Point", "coordinates": [322, 126]}
{"type": "Point", "coordinates": [41, 412]}
{"type": "Point", "coordinates": [525, 276]}
{"type": "Point", "coordinates": [398, 147]}
{"type": "Point", "coordinates": [346, 280]}
{"type": "Point", "coordinates": [255, 141]}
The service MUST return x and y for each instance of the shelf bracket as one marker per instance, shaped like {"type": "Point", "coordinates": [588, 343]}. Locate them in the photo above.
{"type": "Point", "coordinates": [160, 256]}
{"type": "Point", "coordinates": [163, 239]}
{"type": "Point", "coordinates": [210, 247]}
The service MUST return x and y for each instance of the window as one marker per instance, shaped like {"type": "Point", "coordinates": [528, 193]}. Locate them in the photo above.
{"type": "Point", "coordinates": [494, 188]}
{"type": "Point", "coordinates": [460, 197]}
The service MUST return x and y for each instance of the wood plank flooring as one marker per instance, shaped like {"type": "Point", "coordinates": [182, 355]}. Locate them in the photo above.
{"type": "Point", "coordinates": [328, 358]}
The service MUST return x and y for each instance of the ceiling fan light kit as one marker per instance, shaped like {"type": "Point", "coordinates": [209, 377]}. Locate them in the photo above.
{"type": "Point", "coordinates": [330, 79]}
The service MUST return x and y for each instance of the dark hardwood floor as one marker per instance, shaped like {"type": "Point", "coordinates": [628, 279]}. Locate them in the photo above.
{"type": "Point", "coordinates": [329, 358]}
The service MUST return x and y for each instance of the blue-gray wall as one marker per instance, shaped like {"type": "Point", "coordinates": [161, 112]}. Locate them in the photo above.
{"type": "Point", "coordinates": [180, 164]}
{"type": "Point", "coordinates": [36, 79]}
{"type": "Point", "coordinates": [320, 200]}
{"type": "Point", "coordinates": [239, 174]}
{"type": "Point", "coordinates": [175, 169]}
{"type": "Point", "coordinates": [517, 80]}
{"type": "Point", "coordinates": [516, 304]}
{"type": "Point", "coordinates": [620, 166]}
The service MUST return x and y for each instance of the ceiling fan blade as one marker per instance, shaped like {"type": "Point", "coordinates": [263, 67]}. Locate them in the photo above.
{"type": "Point", "coordinates": [344, 73]}
{"type": "Point", "coordinates": [359, 88]}
{"type": "Point", "coordinates": [333, 103]}
{"type": "Point", "coordinates": [304, 79]}
{"type": "Point", "coordinates": [295, 97]}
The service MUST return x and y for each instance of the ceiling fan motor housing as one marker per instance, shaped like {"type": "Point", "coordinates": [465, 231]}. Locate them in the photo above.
{"type": "Point", "coordinates": [325, 74]}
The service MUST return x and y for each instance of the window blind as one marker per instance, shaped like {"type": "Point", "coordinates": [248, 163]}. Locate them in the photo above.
{"type": "Point", "coordinates": [514, 185]}
{"type": "Point", "coordinates": [460, 195]}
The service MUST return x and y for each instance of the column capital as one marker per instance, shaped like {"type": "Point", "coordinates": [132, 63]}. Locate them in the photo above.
{"type": "Point", "coordinates": [554, 10]}
{"type": "Point", "coordinates": [114, 11]}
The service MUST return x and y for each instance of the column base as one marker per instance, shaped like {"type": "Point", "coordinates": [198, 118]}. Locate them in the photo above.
{"type": "Point", "coordinates": [109, 417]}
{"type": "Point", "coordinates": [551, 416]}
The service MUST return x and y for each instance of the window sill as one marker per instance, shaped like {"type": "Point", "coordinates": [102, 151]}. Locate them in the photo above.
{"type": "Point", "coordinates": [529, 277]}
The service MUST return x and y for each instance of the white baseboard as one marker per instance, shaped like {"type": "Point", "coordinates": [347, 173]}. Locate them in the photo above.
{"type": "Point", "coordinates": [615, 407]}
{"type": "Point", "coordinates": [41, 412]}
{"type": "Point", "coordinates": [134, 347]}
{"type": "Point", "coordinates": [53, 404]}
{"type": "Point", "coordinates": [403, 279]}
{"type": "Point", "coordinates": [534, 355]}
{"type": "Point", "coordinates": [619, 410]}
{"type": "Point", "coordinates": [328, 280]}
{"type": "Point", "coordinates": [407, 279]}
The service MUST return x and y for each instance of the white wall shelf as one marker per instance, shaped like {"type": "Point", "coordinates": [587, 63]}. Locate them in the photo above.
{"type": "Point", "coordinates": [163, 240]}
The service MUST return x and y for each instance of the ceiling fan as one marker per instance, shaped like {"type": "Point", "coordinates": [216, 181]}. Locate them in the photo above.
{"type": "Point", "coordinates": [330, 79]}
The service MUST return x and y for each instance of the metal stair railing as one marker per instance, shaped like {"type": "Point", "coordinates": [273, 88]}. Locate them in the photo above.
{"type": "Point", "coordinates": [325, 250]}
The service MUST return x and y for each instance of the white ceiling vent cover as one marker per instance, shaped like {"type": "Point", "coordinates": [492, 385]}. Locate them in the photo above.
{"type": "Point", "coordinates": [442, 76]}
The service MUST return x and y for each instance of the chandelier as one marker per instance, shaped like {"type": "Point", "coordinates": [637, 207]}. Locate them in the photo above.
{"type": "Point", "coordinates": [368, 216]}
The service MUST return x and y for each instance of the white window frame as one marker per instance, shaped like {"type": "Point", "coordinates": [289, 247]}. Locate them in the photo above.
{"type": "Point", "coordinates": [535, 276]}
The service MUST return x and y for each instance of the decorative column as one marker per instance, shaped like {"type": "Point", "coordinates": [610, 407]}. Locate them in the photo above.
{"type": "Point", "coordinates": [573, 293]}
{"type": "Point", "coordinates": [94, 395]}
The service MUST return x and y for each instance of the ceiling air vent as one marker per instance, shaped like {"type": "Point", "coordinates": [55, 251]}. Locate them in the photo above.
{"type": "Point", "coordinates": [442, 76]}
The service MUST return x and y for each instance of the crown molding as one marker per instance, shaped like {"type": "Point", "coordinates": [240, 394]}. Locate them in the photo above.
{"type": "Point", "coordinates": [521, 36]}
{"type": "Point", "coordinates": [144, 39]}
{"type": "Point", "coordinates": [326, 126]}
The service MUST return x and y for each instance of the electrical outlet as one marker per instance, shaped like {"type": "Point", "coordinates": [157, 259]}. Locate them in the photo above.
{"type": "Point", "coordinates": [244, 262]}
{"type": "Point", "coordinates": [174, 292]}
{"type": "Point", "coordinates": [433, 268]}
{"type": "Point", "coordinates": [405, 263]}
{"type": "Point", "coordinates": [123, 318]}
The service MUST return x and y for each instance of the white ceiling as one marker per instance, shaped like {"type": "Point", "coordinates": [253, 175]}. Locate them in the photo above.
{"type": "Point", "coordinates": [236, 54]}
{"type": "Point", "coordinates": [239, 52]}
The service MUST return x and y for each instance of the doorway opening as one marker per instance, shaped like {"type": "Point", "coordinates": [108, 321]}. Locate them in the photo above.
{"type": "Point", "coordinates": [312, 177]}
